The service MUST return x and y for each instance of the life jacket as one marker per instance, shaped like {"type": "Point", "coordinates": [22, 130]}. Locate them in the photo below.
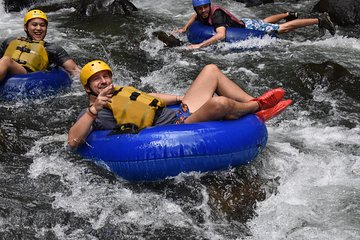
{"type": "Point", "coordinates": [29, 53]}
{"type": "Point", "coordinates": [214, 8]}
{"type": "Point", "coordinates": [131, 106]}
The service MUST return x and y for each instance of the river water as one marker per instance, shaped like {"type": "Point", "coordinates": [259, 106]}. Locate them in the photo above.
{"type": "Point", "coordinates": [305, 185]}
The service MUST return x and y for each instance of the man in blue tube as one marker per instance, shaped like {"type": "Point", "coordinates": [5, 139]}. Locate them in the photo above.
{"type": "Point", "coordinates": [31, 54]}
{"type": "Point", "coordinates": [212, 96]}
{"type": "Point", "coordinates": [221, 18]}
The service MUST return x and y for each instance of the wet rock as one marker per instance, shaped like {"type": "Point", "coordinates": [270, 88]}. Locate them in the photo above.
{"type": "Point", "coordinates": [115, 7]}
{"type": "Point", "coordinates": [169, 40]}
{"type": "Point", "coordinates": [251, 3]}
{"type": "Point", "coordinates": [330, 77]}
{"type": "Point", "coordinates": [84, 7]}
{"type": "Point", "coordinates": [343, 13]}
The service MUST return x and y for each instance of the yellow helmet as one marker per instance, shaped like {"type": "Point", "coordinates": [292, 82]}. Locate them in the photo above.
{"type": "Point", "coordinates": [36, 13]}
{"type": "Point", "coordinates": [91, 68]}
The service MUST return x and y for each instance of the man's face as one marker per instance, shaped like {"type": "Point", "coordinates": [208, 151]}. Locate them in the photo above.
{"type": "Point", "coordinates": [36, 29]}
{"type": "Point", "coordinates": [99, 81]}
{"type": "Point", "coordinates": [203, 11]}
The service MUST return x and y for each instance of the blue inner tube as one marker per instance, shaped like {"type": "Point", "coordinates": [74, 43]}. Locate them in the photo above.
{"type": "Point", "coordinates": [34, 85]}
{"type": "Point", "coordinates": [199, 32]}
{"type": "Point", "coordinates": [162, 151]}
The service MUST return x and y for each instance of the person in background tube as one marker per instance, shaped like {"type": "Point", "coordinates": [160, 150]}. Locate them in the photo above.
{"type": "Point", "coordinates": [221, 18]}
{"type": "Point", "coordinates": [23, 55]}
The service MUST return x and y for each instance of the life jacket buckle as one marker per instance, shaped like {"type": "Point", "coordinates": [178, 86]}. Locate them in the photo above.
{"type": "Point", "coordinates": [154, 103]}
{"type": "Point", "coordinates": [126, 128]}
{"type": "Point", "coordinates": [134, 96]}
{"type": "Point", "coordinates": [22, 62]}
{"type": "Point", "coordinates": [23, 49]}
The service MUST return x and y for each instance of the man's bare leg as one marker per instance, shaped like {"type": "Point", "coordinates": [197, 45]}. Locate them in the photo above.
{"type": "Point", "coordinates": [219, 107]}
{"type": "Point", "coordinates": [298, 23]}
{"type": "Point", "coordinates": [212, 80]}
{"type": "Point", "coordinates": [275, 18]}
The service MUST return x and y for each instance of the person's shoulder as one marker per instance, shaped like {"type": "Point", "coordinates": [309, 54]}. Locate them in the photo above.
{"type": "Point", "coordinates": [51, 45]}
{"type": "Point", "coordinates": [4, 43]}
{"type": "Point", "coordinates": [7, 40]}
{"type": "Point", "coordinates": [218, 15]}
{"type": "Point", "coordinates": [219, 11]}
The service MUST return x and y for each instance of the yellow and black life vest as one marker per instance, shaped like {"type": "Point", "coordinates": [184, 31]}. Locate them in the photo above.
{"type": "Point", "coordinates": [129, 105]}
{"type": "Point", "coordinates": [29, 53]}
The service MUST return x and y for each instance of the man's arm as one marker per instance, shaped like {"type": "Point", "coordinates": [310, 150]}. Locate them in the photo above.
{"type": "Point", "coordinates": [83, 126]}
{"type": "Point", "coordinates": [187, 25]}
{"type": "Point", "coordinates": [219, 20]}
{"type": "Point", "coordinates": [59, 57]}
{"type": "Point", "coordinates": [81, 129]}
{"type": "Point", "coordinates": [2, 49]}
{"type": "Point", "coordinates": [71, 67]}
{"type": "Point", "coordinates": [220, 35]}
{"type": "Point", "coordinates": [169, 99]}
{"type": "Point", "coordinates": [4, 45]}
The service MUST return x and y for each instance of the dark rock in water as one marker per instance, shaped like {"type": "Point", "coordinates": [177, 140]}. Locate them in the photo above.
{"type": "Point", "coordinates": [343, 13]}
{"type": "Point", "coordinates": [95, 7]}
{"type": "Point", "coordinates": [251, 3]}
{"type": "Point", "coordinates": [330, 76]}
{"type": "Point", "coordinates": [84, 7]}
{"type": "Point", "coordinates": [52, 7]}
{"type": "Point", "coordinates": [169, 40]}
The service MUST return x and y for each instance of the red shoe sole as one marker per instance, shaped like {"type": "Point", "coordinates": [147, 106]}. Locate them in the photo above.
{"type": "Point", "coordinates": [267, 114]}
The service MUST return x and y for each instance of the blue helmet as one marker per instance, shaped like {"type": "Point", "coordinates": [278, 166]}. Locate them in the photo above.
{"type": "Point", "coordinates": [197, 3]}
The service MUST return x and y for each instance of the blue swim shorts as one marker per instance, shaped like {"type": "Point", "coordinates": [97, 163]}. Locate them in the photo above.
{"type": "Point", "coordinates": [260, 25]}
{"type": "Point", "coordinates": [182, 113]}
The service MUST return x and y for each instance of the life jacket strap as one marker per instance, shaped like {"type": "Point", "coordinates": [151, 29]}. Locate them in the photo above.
{"type": "Point", "coordinates": [134, 96]}
{"type": "Point", "coordinates": [23, 49]}
{"type": "Point", "coordinates": [154, 103]}
{"type": "Point", "coordinates": [31, 54]}
{"type": "Point", "coordinates": [126, 128]}
{"type": "Point", "coordinates": [22, 62]}
{"type": "Point", "coordinates": [129, 105]}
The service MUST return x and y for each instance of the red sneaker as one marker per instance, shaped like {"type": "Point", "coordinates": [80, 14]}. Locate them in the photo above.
{"type": "Point", "coordinates": [270, 98]}
{"type": "Point", "coordinates": [274, 111]}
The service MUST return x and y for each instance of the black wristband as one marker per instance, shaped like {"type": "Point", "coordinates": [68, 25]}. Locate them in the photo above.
{"type": "Point", "coordinates": [93, 114]}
